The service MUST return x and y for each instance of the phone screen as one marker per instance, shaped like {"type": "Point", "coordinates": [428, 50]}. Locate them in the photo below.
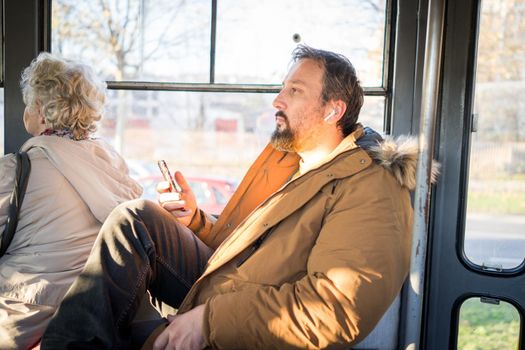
{"type": "Point", "coordinates": [167, 175]}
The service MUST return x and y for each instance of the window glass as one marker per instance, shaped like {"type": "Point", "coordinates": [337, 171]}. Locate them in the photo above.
{"type": "Point", "coordinates": [372, 113]}
{"type": "Point", "coordinates": [495, 225]}
{"type": "Point", "coordinates": [161, 40]}
{"type": "Point", "coordinates": [255, 38]}
{"type": "Point", "coordinates": [166, 40]}
{"type": "Point", "coordinates": [211, 137]}
{"type": "Point", "coordinates": [215, 134]}
{"type": "Point", "coordinates": [219, 197]}
{"type": "Point", "coordinates": [488, 325]}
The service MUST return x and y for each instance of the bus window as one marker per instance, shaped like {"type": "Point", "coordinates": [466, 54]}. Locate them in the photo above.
{"type": "Point", "coordinates": [209, 134]}
{"type": "Point", "coordinates": [211, 137]}
{"type": "Point", "coordinates": [494, 235]}
{"type": "Point", "coordinates": [170, 40]}
{"type": "Point", "coordinates": [372, 113]}
{"type": "Point", "coordinates": [162, 40]}
{"type": "Point", "coordinates": [488, 324]}
{"type": "Point", "coordinates": [272, 28]}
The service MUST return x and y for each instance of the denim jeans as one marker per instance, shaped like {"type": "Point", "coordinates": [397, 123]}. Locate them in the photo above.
{"type": "Point", "coordinates": [140, 248]}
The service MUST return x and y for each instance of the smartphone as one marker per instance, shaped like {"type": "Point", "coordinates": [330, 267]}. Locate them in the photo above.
{"type": "Point", "coordinates": [167, 175]}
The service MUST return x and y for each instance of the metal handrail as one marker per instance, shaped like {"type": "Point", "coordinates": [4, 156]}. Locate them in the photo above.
{"type": "Point", "coordinates": [427, 127]}
{"type": "Point", "coordinates": [214, 87]}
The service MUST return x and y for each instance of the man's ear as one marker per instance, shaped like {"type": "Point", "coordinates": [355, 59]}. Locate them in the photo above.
{"type": "Point", "coordinates": [339, 109]}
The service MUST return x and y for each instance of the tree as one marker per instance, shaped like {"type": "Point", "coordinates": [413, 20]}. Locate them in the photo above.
{"type": "Point", "coordinates": [121, 38]}
{"type": "Point", "coordinates": [500, 74]}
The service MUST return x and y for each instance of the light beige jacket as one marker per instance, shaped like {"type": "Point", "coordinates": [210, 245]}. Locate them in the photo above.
{"type": "Point", "coordinates": [72, 187]}
{"type": "Point", "coordinates": [319, 259]}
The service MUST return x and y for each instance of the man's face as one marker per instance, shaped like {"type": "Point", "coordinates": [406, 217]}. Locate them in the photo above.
{"type": "Point", "coordinates": [300, 112]}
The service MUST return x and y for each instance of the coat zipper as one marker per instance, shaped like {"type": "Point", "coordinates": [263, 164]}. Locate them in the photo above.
{"type": "Point", "coordinates": [255, 246]}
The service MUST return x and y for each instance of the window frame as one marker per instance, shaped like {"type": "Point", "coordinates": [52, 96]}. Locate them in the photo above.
{"type": "Point", "coordinates": [28, 32]}
{"type": "Point", "coordinates": [450, 275]}
{"type": "Point", "coordinates": [454, 335]}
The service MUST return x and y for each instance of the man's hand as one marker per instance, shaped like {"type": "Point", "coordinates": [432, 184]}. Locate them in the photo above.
{"type": "Point", "coordinates": [182, 205]}
{"type": "Point", "coordinates": [183, 332]}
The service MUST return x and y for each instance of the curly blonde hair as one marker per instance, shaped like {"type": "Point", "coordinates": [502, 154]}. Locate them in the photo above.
{"type": "Point", "coordinates": [68, 94]}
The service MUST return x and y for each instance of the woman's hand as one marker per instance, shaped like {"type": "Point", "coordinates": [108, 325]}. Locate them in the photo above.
{"type": "Point", "coordinates": [181, 205]}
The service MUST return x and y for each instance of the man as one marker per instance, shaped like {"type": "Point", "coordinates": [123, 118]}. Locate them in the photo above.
{"type": "Point", "coordinates": [309, 253]}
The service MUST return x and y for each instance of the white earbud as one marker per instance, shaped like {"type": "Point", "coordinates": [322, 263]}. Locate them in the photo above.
{"type": "Point", "coordinates": [330, 115]}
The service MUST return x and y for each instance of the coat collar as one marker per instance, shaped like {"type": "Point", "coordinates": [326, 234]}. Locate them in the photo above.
{"type": "Point", "coordinates": [289, 198]}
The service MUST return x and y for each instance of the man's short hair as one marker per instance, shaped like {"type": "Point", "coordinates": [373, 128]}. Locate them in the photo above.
{"type": "Point", "coordinates": [339, 83]}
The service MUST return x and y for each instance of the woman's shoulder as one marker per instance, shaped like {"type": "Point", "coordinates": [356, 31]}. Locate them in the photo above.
{"type": "Point", "coordinates": [8, 160]}
{"type": "Point", "coordinates": [7, 171]}
{"type": "Point", "coordinates": [101, 144]}
{"type": "Point", "coordinates": [7, 163]}
{"type": "Point", "coordinates": [54, 145]}
{"type": "Point", "coordinates": [102, 150]}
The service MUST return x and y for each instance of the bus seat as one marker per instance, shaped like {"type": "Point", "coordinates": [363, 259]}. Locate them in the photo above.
{"type": "Point", "coordinates": [384, 335]}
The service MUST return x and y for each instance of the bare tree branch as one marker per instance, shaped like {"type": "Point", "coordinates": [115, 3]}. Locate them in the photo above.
{"type": "Point", "coordinates": [163, 41]}
{"type": "Point", "coordinates": [373, 4]}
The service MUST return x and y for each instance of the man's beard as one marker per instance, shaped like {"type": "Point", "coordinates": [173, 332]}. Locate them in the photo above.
{"type": "Point", "coordinates": [283, 140]}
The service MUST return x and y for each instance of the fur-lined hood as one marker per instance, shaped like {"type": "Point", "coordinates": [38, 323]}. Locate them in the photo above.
{"type": "Point", "coordinates": [397, 155]}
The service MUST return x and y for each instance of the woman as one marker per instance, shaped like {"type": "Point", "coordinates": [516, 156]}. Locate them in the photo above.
{"type": "Point", "coordinates": [75, 181]}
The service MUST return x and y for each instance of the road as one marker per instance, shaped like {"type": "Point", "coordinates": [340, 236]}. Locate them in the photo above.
{"type": "Point", "coordinates": [495, 239]}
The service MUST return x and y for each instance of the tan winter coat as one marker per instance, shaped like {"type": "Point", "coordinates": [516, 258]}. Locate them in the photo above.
{"type": "Point", "coordinates": [318, 262]}
{"type": "Point", "coordinates": [73, 185]}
